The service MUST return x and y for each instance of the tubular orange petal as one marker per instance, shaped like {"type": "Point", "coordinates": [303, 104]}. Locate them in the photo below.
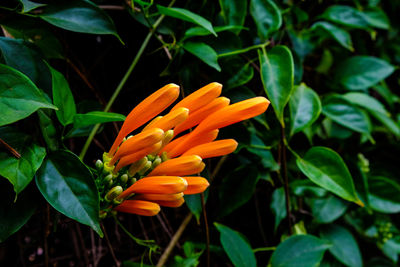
{"type": "Point", "coordinates": [198, 140]}
{"type": "Point", "coordinates": [139, 207]}
{"type": "Point", "coordinates": [196, 185]}
{"type": "Point", "coordinates": [171, 204]}
{"type": "Point", "coordinates": [138, 142]}
{"type": "Point", "coordinates": [151, 123]}
{"type": "Point", "coordinates": [156, 185]}
{"type": "Point", "coordinates": [179, 166]}
{"type": "Point", "coordinates": [200, 114]}
{"type": "Point", "coordinates": [129, 159]}
{"type": "Point", "coordinates": [155, 197]}
{"type": "Point", "coordinates": [226, 116]}
{"type": "Point", "coordinates": [201, 97]}
{"type": "Point", "coordinates": [146, 110]}
{"type": "Point", "coordinates": [172, 119]}
{"type": "Point", "coordinates": [213, 149]}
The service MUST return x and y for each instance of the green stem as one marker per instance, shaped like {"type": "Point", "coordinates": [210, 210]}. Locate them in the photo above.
{"type": "Point", "coordinates": [122, 82]}
{"type": "Point", "coordinates": [264, 249]}
{"type": "Point", "coordinates": [244, 50]}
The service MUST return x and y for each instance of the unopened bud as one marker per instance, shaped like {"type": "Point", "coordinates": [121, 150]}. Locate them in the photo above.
{"type": "Point", "coordinates": [108, 178]}
{"type": "Point", "coordinates": [137, 166]}
{"type": "Point", "coordinates": [99, 165]}
{"type": "Point", "coordinates": [129, 136]}
{"type": "Point", "coordinates": [124, 178]}
{"type": "Point", "coordinates": [156, 162]}
{"type": "Point", "coordinates": [164, 156]}
{"type": "Point", "coordinates": [113, 193]}
{"type": "Point", "coordinates": [107, 168]}
{"type": "Point", "coordinates": [150, 157]}
{"type": "Point", "coordinates": [103, 214]}
{"type": "Point", "coordinates": [145, 168]}
{"type": "Point", "coordinates": [132, 180]}
{"type": "Point", "coordinates": [168, 135]}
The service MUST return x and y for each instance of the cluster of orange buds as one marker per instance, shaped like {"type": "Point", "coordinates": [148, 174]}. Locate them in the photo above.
{"type": "Point", "coordinates": [140, 173]}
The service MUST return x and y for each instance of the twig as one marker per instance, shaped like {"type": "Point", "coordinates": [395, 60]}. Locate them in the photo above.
{"type": "Point", "coordinates": [164, 226]}
{"type": "Point", "coordinates": [46, 234]}
{"type": "Point", "coordinates": [203, 206]}
{"type": "Point", "coordinates": [259, 221]}
{"type": "Point", "coordinates": [285, 180]}
{"type": "Point", "coordinates": [83, 247]}
{"type": "Point", "coordinates": [164, 257]}
{"type": "Point", "coordinates": [110, 7]}
{"type": "Point", "coordinates": [10, 149]}
{"type": "Point", "coordinates": [217, 168]}
{"type": "Point", "coordinates": [94, 254]}
{"type": "Point", "coordinates": [109, 245]}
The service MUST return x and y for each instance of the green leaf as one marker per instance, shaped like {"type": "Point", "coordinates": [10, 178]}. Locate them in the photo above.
{"type": "Point", "coordinates": [186, 15]}
{"type": "Point", "coordinates": [20, 171]}
{"type": "Point", "coordinates": [362, 72]}
{"type": "Point", "coordinates": [62, 98]}
{"type": "Point", "coordinates": [327, 169]}
{"type": "Point", "coordinates": [377, 18]}
{"type": "Point", "coordinates": [199, 31]}
{"type": "Point", "coordinates": [326, 210]}
{"type": "Point", "coordinates": [305, 108]}
{"type": "Point", "coordinates": [49, 131]}
{"type": "Point", "coordinates": [267, 17]}
{"type": "Point", "coordinates": [278, 206]}
{"type": "Point", "coordinates": [346, 15]}
{"type": "Point", "coordinates": [22, 56]}
{"type": "Point", "coordinates": [236, 191]}
{"type": "Point", "coordinates": [237, 248]}
{"type": "Point", "coordinates": [344, 246]}
{"type": "Point", "coordinates": [79, 16]}
{"type": "Point", "coordinates": [234, 12]}
{"type": "Point", "coordinates": [19, 97]}
{"type": "Point", "coordinates": [277, 75]}
{"type": "Point", "coordinates": [384, 194]}
{"type": "Point", "coordinates": [94, 117]}
{"type": "Point", "coordinates": [29, 5]}
{"type": "Point", "coordinates": [237, 71]}
{"type": "Point", "coordinates": [299, 250]}
{"type": "Point", "coordinates": [204, 52]}
{"type": "Point", "coordinates": [340, 35]}
{"type": "Point", "coordinates": [68, 185]}
{"type": "Point", "coordinates": [345, 114]}
{"type": "Point", "coordinates": [14, 215]}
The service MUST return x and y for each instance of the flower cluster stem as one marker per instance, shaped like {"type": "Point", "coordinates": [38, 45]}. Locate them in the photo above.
{"type": "Point", "coordinates": [123, 81]}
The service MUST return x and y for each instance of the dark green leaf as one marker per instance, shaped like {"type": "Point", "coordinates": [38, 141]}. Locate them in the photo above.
{"type": "Point", "coordinates": [277, 74]}
{"type": "Point", "coordinates": [19, 97]}
{"type": "Point", "coordinates": [238, 71]}
{"type": "Point", "coordinates": [326, 210]}
{"type": "Point", "coordinates": [299, 250]}
{"type": "Point", "coordinates": [267, 17]}
{"type": "Point", "coordinates": [306, 188]}
{"type": "Point", "coordinates": [346, 15]}
{"type": "Point", "coordinates": [377, 18]}
{"type": "Point", "coordinates": [384, 194]}
{"type": "Point", "coordinates": [20, 171]}
{"type": "Point", "coordinates": [186, 15]}
{"type": "Point", "coordinates": [68, 185]}
{"type": "Point", "coordinates": [49, 131]}
{"type": "Point", "coordinates": [327, 169]}
{"type": "Point", "coordinates": [362, 72]}
{"type": "Point", "coordinates": [62, 98]}
{"type": "Point", "coordinates": [278, 206]}
{"type": "Point", "coordinates": [199, 31]}
{"type": "Point", "coordinates": [204, 52]}
{"type": "Point", "coordinates": [344, 246]}
{"type": "Point", "coordinates": [340, 35]}
{"type": "Point", "coordinates": [94, 117]}
{"type": "Point", "coordinates": [344, 113]}
{"type": "Point", "coordinates": [305, 108]}
{"type": "Point", "coordinates": [234, 12]}
{"type": "Point", "coordinates": [237, 248]}
{"type": "Point", "coordinates": [79, 16]}
{"type": "Point", "coordinates": [29, 5]}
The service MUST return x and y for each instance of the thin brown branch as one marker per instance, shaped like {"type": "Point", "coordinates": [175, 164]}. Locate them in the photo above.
{"type": "Point", "coordinates": [203, 206]}
{"type": "Point", "coordinates": [10, 149]}
{"type": "Point", "coordinates": [117, 263]}
{"type": "Point", "coordinates": [285, 180]}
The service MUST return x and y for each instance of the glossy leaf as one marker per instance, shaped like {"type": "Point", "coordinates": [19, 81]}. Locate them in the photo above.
{"type": "Point", "coordinates": [344, 246]}
{"type": "Point", "coordinates": [237, 248]}
{"type": "Point", "coordinates": [345, 15]}
{"type": "Point", "coordinates": [327, 210]}
{"type": "Point", "coordinates": [200, 31]}
{"type": "Point", "coordinates": [234, 12]}
{"type": "Point", "coordinates": [278, 206]}
{"type": "Point", "coordinates": [327, 169]}
{"type": "Point", "coordinates": [94, 117]}
{"type": "Point", "coordinates": [29, 5]}
{"type": "Point", "coordinates": [62, 98]}
{"type": "Point", "coordinates": [186, 15]}
{"type": "Point", "coordinates": [377, 18]}
{"type": "Point", "coordinates": [277, 74]}
{"type": "Point", "coordinates": [384, 194]}
{"type": "Point", "coordinates": [267, 17]}
{"type": "Point", "coordinates": [79, 16]}
{"type": "Point", "coordinates": [49, 131]}
{"type": "Point", "coordinates": [204, 52]}
{"type": "Point", "coordinates": [19, 97]}
{"type": "Point", "coordinates": [362, 72]}
{"type": "Point", "coordinates": [305, 108]}
{"type": "Point", "coordinates": [299, 250]}
{"type": "Point", "coordinates": [340, 35]}
{"type": "Point", "coordinates": [68, 185]}
{"type": "Point", "coordinates": [344, 113]}
{"type": "Point", "coordinates": [20, 171]}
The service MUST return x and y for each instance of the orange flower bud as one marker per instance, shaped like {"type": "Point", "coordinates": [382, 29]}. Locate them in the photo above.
{"type": "Point", "coordinates": [146, 110]}
{"type": "Point", "coordinates": [196, 185]}
{"type": "Point", "coordinates": [156, 185]}
{"type": "Point", "coordinates": [171, 204]}
{"type": "Point", "coordinates": [201, 97]}
{"type": "Point", "coordinates": [172, 119]}
{"type": "Point", "coordinates": [156, 197]}
{"type": "Point", "coordinates": [213, 149]}
{"type": "Point", "coordinates": [139, 207]}
{"type": "Point", "coordinates": [200, 114]}
{"type": "Point", "coordinates": [138, 142]}
{"type": "Point", "coordinates": [186, 165]}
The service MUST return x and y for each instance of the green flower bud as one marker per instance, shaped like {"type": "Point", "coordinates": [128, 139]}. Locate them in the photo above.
{"type": "Point", "coordinates": [145, 168]}
{"type": "Point", "coordinates": [113, 193]}
{"type": "Point", "coordinates": [137, 166]}
{"type": "Point", "coordinates": [124, 178]}
{"type": "Point", "coordinates": [150, 157]}
{"type": "Point", "coordinates": [99, 165]}
{"type": "Point", "coordinates": [164, 156]}
{"type": "Point", "coordinates": [156, 162]}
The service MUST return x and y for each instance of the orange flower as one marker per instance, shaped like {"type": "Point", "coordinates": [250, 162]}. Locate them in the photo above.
{"type": "Point", "coordinates": [196, 185]}
{"type": "Point", "coordinates": [158, 197]}
{"type": "Point", "coordinates": [171, 204]}
{"type": "Point", "coordinates": [213, 149]}
{"type": "Point", "coordinates": [185, 165]}
{"type": "Point", "coordinates": [172, 119]}
{"type": "Point", "coordinates": [145, 111]}
{"type": "Point", "coordinates": [140, 207]}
